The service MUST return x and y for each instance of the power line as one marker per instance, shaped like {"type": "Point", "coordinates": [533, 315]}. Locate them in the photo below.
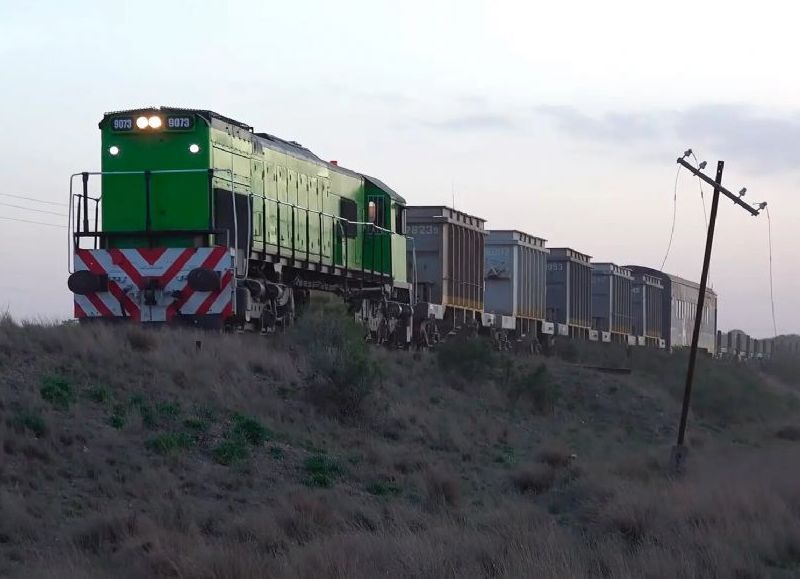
{"type": "Point", "coordinates": [771, 294]}
{"type": "Point", "coordinates": [33, 199]}
{"type": "Point", "coordinates": [32, 209]}
{"type": "Point", "coordinates": [674, 217]}
{"type": "Point", "coordinates": [33, 222]}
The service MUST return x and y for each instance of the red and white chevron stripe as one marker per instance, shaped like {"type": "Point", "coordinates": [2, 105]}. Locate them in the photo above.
{"type": "Point", "coordinates": [130, 271]}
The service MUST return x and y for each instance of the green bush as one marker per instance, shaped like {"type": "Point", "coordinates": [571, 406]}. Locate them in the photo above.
{"type": "Point", "coordinates": [468, 357]}
{"type": "Point", "coordinates": [57, 391]}
{"type": "Point", "coordinates": [250, 430]}
{"type": "Point", "coordinates": [344, 374]}
{"type": "Point", "coordinates": [322, 471]}
{"type": "Point", "coordinates": [383, 488]}
{"type": "Point", "coordinates": [230, 451]}
{"type": "Point", "coordinates": [31, 421]}
{"type": "Point", "coordinates": [169, 443]}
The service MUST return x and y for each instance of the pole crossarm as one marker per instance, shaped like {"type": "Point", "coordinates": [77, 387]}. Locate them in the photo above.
{"type": "Point", "coordinates": [735, 198]}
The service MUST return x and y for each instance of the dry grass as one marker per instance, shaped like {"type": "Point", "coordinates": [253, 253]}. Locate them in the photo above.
{"type": "Point", "coordinates": [109, 441]}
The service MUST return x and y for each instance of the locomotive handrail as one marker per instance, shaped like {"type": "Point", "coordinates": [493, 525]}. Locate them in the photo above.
{"type": "Point", "coordinates": [84, 196]}
{"type": "Point", "coordinates": [340, 222]}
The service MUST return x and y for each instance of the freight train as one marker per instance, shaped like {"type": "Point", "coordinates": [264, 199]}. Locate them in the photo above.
{"type": "Point", "coordinates": [197, 219]}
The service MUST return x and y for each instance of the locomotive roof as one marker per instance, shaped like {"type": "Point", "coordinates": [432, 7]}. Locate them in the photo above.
{"type": "Point", "coordinates": [206, 114]}
{"type": "Point", "coordinates": [669, 277]}
{"type": "Point", "coordinates": [289, 147]}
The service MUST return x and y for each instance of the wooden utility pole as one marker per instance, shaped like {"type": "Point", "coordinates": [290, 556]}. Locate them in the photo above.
{"type": "Point", "coordinates": [680, 451]}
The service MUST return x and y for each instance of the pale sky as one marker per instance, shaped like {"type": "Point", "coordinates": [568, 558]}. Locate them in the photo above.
{"type": "Point", "coordinates": [559, 119]}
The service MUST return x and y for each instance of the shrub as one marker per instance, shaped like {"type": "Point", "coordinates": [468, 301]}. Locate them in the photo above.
{"type": "Point", "coordinates": [383, 488]}
{"type": "Point", "coordinates": [789, 432]}
{"type": "Point", "coordinates": [250, 430]}
{"type": "Point", "coordinates": [57, 391]}
{"type": "Point", "coordinates": [727, 394]}
{"type": "Point", "coordinates": [344, 375]}
{"type": "Point", "coordinates": [98, 394]}
{"type": "Point", "coordinates": [556, 455]}
{"type": "Point", "coordinates": [230, 451]}
{"type": "Point", "coordinates": [443, 490]}
{"type": "Point", "coordinates": [322, 471]}
{"type": "Point", "coordinates": [169, 443]}
{"type": "Point", "coordinates": [534, 480]}
{"type": "Point", "coordinates": [277, 452]}
{"type": "Point", "coordinates": [30, 420]}
{"type": "Point", "coordinates": [471, 358]}
{"type": "Point", "coordinates": [785, 367]}
{"type": "Point", "coordinates": [195, 423]}
{"type": "Point", "coordinates": [539, 387]}
{"type": "Point", "coordinates": [140, 340]}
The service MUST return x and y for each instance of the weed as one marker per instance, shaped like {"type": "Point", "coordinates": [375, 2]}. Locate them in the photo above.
{"type": "Point", "coordinates": [277, 452]}
{"type": "Point", "coordinates": [169, 443]}
{"type": "Point", "coordinates": [321, 470]}
{"type": "Point", "coordinates": [229, 452]}
{"type": "Point", "coordinates": [30, 420]}
{"type": "Point", "coordinates": [57, 391]}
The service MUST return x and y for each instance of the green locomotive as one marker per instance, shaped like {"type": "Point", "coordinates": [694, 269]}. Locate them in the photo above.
{"type": "Point", "coordinates": [204, 221]}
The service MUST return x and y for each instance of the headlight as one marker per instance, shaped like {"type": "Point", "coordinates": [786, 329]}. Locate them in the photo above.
{"type": "Point", "coordinates": [141, 122]}
{"type": "Point", "coordinates": [113, 150]}
{"type": "Point", "coordinates": [154, 122]}
{"type": "Point", "coordinates": [193, 148]}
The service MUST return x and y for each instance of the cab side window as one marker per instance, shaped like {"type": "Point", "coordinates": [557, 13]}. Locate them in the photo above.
{"type": "Point", "coordinates": [400, 220]}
